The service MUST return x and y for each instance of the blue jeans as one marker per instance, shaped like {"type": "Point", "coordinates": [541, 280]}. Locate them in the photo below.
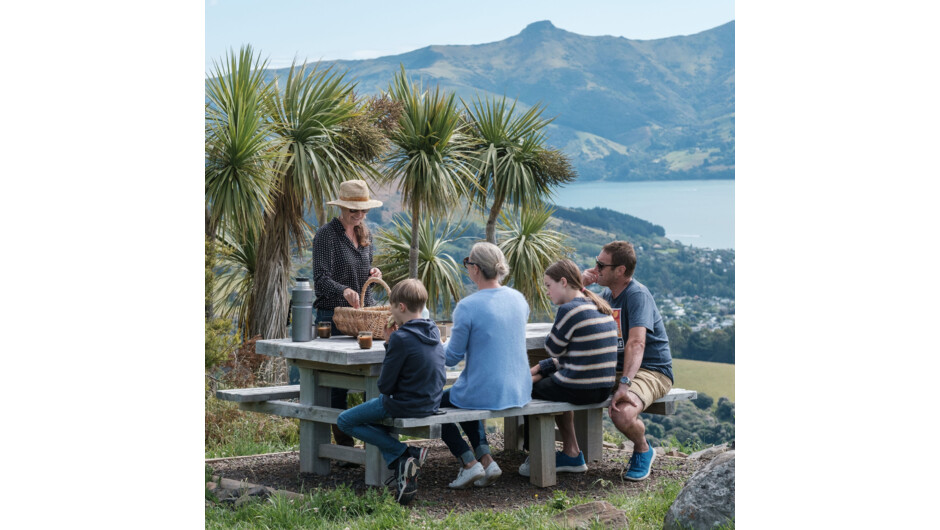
{"type": "Point", "coordinates": [475, 431]}
{"type": "Point", "coordinates": [360, 422]}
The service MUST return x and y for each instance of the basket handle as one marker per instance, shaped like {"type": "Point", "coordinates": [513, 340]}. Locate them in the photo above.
{"type": "Point", "coordinates": [370, 281]}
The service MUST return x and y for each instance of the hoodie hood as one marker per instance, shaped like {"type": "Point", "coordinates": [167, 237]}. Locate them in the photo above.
{"type": "Point", "coordinates": [425, 330]}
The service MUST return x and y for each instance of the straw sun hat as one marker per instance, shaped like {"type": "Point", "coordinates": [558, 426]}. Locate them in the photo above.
{"type": "Point", "coordinates": [354, 194]}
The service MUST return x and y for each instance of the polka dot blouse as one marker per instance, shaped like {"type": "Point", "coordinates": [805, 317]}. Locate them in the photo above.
{"type": "Point", "coordinates": [338, 264]}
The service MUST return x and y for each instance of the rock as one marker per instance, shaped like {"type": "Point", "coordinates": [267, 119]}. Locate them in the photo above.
{"type": "Point", "coordinates": [677, 454]}
{"type": "Point", "coordinates": [709, 453]}
{"type": "Point", "coordinates": [259, 491]}
{"type": "Point", "coordinates": [585, 516]}
{"type": "Point", "coordinates": [660, 451]}
{"type": "Point", "coordinates": [707, 500]}
{"type": "Point", "coordinates": [626, 446]}
{"type": "Point", "coordinates": [608, 445]}
{"type": "Point", "coordinates": [211, 486]}
{"type": "Point", "coordinates": [225, 494]}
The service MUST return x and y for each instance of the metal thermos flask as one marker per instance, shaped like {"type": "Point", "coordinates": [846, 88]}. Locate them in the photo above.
{"type": "Point", "coordinates": [301, 306]}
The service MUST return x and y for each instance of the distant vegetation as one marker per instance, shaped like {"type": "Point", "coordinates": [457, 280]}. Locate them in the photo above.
{"type": "Point", "coordinates": [704, 345]}
{"type": "Point", "coordinates": [610, 220]}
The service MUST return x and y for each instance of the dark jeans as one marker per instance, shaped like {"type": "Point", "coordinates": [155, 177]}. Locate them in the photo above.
{"type": "Point", "coordinates": [549, 390]}
{"type": "Point", "coordinates": [474, 430]}
{"type": "Point", "coordinates": [337, 395]}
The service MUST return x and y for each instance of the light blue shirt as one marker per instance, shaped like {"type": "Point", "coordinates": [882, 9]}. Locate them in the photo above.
{"type": "Point", "coordinates": [489, 332]}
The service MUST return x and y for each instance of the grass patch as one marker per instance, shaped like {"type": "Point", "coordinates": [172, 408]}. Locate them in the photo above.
{"type": "Point", "coordinates": [648, 508]}
{"type": "Point", "coordinates": [234, 432]}
{"type": "Point", "coordinates": [714, 379]}
{"type": "Point", "coordinates": [341, 508]}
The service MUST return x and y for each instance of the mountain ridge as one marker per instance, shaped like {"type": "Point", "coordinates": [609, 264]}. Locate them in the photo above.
{"type": "Point", "coordinates": [624, 109]}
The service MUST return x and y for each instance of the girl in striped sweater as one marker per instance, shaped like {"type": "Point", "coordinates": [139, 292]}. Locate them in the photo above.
{"type": "Point", "coordinates": [581, 369]}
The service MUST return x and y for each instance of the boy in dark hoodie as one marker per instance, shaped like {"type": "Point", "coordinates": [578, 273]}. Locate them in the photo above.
{"type": "Point", "coordinates": [411, 384]}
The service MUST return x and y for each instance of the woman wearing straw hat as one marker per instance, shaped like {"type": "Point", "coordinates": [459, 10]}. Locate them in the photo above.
{"type": "Point", "coordinates": [342, 262]}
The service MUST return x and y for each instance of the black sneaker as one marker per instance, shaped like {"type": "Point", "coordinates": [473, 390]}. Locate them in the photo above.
{"type": "Point", "coordinates": [405, 479]}
{"type": "Point", "coordinates": [420, 454]}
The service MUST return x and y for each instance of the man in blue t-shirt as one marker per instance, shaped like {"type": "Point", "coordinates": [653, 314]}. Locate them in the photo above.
{"type": "Point", "coordinates": [644, 360]}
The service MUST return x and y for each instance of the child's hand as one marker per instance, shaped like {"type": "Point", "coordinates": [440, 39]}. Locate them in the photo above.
{"type": "Point", "coordinates": [390, 326]}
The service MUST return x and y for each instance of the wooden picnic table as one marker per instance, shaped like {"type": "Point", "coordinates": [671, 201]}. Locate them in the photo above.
{"type": "Point", "coordinates": [340, 362]}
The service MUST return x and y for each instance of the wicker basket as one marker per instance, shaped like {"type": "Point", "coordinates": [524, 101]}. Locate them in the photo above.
{"type": "Point", "coordinates": [351, 321]}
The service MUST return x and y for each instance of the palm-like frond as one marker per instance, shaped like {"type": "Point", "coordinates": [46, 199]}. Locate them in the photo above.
{"type": "Point", "coordinates": [429, 151]}
{"type": "Point", "coordinates": [530, 248]}
{"type": "Point", "coordinates": [512, 164]}
{"type": "Point", "coordinates": [234, 286]}
{"type": "Point", "coordinates": [429, 154]}
{"type": "Point", "coordinates": [239, 150]}
{"type": "Point", "coordinates": [309, 119]}
{"type": "Point", "coordinates": [439, 272]}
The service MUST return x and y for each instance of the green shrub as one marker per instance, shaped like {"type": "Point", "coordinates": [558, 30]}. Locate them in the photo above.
{"type": "Point", "coordinates": [220, 342]}
{"type": "Point", "coordinates": [703, 401]}
{"type": "Point", "coordinates": [725, 410]}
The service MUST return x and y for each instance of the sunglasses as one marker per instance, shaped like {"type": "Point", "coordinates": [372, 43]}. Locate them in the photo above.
{"type": "Point", "coordinates": [357, 211]}
{"type": "Point", "coordinates": [600, 266]}
{"type": "Point", "coordinates": [466, 261]}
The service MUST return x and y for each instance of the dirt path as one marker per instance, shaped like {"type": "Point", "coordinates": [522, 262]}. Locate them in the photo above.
{"type": "Point", "coordinates": [603, 478]}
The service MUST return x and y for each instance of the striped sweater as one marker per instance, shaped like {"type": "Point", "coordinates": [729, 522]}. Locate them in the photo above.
{"type": "Point", "coordinates": [583, 346]}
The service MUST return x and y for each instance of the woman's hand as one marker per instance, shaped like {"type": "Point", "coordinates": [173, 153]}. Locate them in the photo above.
{"type": "Point", "coordinates": [374, 272]}
{"type": "Point", "coordinates": [352, 297]}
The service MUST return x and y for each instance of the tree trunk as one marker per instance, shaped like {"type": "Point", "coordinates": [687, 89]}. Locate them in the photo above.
{"type": "Point", "coordinates": [271, 294]}
{"type": "Point", "coordinates": [210, 239]}
{"type": "Point", "coordinates": [320, 211]}
{"type": "Point", "coordinates": [491, 220]}
{"type": "Point", "coordinates": [413, 253]}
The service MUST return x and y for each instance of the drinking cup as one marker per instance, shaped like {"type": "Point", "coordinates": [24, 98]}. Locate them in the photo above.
{"type": "Point", "coordinates": [324, 330]}
{"type": "Point", "coordinates": [365, 339]}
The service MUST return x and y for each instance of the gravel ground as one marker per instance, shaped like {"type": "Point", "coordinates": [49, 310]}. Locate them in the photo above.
{"type": "Point", "coordinates": [603, 478]}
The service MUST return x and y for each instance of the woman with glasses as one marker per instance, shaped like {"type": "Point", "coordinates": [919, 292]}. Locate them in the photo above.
{"type": "Point", "coordinates": [342, 262]}
{"type": "Point", "coordinates": [489, 336]}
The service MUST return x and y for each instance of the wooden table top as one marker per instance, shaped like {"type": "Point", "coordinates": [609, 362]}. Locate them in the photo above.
{"type": "Point", "coordinates": [345, 350]}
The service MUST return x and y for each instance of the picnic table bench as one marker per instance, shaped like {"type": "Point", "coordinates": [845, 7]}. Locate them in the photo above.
{"type": "Point", "coordinates": [588, 422]}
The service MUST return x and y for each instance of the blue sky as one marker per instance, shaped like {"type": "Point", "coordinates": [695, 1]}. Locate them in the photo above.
{"type": "Point", "coordinates": [315, 30]}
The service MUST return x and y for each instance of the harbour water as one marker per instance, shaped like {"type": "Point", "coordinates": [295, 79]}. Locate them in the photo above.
{"type": "Point", "coordinates": [696, 212]}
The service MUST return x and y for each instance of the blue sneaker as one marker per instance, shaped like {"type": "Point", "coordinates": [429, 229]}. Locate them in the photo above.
{"type": "Point", "coordinates": [569, 464]}
{"type": "Point", "coordinates": [641, 464]}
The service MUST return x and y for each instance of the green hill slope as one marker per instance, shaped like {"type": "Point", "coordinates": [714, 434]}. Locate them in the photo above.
{"type": "Point", "coordinates": [714, 379]}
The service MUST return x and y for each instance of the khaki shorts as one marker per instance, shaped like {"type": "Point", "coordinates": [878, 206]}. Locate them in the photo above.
{"type": "Point", "coordinates": [649, 386]}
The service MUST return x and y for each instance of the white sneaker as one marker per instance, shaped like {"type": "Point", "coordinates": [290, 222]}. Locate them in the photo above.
{"type": "Point", "coordinates": [466, 477]}
{"type": "Point", "coordinates": [493, 472]}
{"type": "Point", "coordinates": [524, 468]}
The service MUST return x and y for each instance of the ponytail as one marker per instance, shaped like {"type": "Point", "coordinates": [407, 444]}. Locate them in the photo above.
{"type": "Point", "coordinates": [568, 270]}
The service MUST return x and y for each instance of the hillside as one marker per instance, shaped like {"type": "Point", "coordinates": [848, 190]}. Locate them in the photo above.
{"type": "Point", "coordinates": [624, 109]}
{"type": "Point", "coordinates": [714, 379]}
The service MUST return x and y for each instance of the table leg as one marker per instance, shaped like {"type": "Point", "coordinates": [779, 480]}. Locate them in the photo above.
{"type": "Point", "coordinates": [589, 429]}
{"type": "Point", "coordinates": [312, 434]}
{"type": "Point", "coordinates": [376, 470]}
{"type": "Point", "coordinates": [542, 450]}
{"type": "Point", "coordinates": [512, 433]}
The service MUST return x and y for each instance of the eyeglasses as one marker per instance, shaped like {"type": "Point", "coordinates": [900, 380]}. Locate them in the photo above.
{"type": "Point", "coordinates": [600, 266]}
{"type": "Point", "coordinates": [466, 261]}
